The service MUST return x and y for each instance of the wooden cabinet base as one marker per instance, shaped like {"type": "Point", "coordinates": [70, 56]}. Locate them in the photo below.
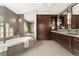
{"type": "Point", "coordinates": [68, 42]}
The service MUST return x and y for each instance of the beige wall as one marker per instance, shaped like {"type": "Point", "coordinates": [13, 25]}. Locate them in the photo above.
{"type": "Point", "coordinates": [11, 18]}
{"type": "Point", "coordinates": [20, 23]}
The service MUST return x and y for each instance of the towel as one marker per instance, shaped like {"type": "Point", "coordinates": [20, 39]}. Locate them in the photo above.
{"type": "Point", "coordinates": [26, 44]}
{"type": "Point", "coordinates": [25, 41]}
{"type": "Point", "coordinates": [3, 48]}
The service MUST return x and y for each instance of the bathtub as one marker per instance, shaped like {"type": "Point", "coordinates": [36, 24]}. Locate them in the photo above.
{"type": "Point", "coordinates": [14, 42]}
{"type": "Point", "coordinates": [18, 40]}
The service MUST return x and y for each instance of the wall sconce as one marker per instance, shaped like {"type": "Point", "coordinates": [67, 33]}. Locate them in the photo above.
{"type": "Point", "coordinates": [69, 18]}
{"type": "Point", "coordinates": [20, 20]}
{"type": "Point", "coordinates": [53, 24]}
{"type": "Point", "coordinates": [58, 22]}
{"type": "Point", "coordinates": [13, 20]}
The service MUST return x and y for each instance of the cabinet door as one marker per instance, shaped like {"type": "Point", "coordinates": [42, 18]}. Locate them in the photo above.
{"type": "Point", "coordinates": [65, 41]}
{"type": "Point", "coordinates": [57, 37]}
{"type": "Point", "coordinates": [75, 46]}
{"type": "Point", "coordinates": [53, 36]}
{"type": "Point", "coordinates": [74, 22]}
{"type": "Point", "coordinates": [78, 21]}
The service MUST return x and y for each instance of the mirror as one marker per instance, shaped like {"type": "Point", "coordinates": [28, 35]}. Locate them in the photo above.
{"type": "Point", "coordinates": [70, 19]}
{"type": "Point", "coordinates": [75, 17]}
{"type": "Point", "coordinates": [54, 22]}
{"type": "Point", "coordinates": [63, 20]}
{"type": "Point", "coordinates": [66, 19]}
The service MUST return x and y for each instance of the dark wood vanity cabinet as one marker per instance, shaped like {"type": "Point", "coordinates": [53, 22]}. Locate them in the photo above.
{"type": "Point", "coordinates": [75, 46]}
{"type": "Point", "coordinates": [66, 42]}
{"type": "Point", "coordinates": [63, 40]}
{"type": "Point", "coordinates": [69, 42]}
{"type": "Point", "coordinates": [78, 22]}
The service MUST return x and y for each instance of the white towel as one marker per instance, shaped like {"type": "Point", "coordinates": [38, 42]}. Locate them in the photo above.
{"type": "Point", "coordinates": [3, 48]}
{"type": "Point", "coordinates": [26, 44]}
{"type": "Point", "coordinates": [26, 41]}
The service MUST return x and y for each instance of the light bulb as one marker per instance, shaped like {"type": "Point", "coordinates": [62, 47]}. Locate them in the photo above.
{"type": "Point", "coordinates": [20, 20]}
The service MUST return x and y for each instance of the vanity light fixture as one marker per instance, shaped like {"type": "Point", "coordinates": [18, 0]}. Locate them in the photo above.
{"type": "Point", "coordinates": [53, 24]}
{"type": "Point", "coordinates": [58, 22]}
{"type": "Point", "coordinates": [69, 18]}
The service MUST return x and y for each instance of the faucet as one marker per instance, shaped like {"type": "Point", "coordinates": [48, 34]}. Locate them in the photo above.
{"type": "Point", "coordinates": [77, 31]}
{"type": "Point", "coordinates": [68, 30]}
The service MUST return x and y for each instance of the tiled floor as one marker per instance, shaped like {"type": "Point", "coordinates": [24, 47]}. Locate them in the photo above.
{"type": "Point", "coordinates": [46, 48]}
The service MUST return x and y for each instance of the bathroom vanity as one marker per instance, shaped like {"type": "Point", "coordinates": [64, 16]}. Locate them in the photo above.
{"type": "Point", "coordinates": [67, 40]}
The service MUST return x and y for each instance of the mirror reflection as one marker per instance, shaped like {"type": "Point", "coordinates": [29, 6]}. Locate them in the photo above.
{"type": "Point", "coordinates": [63, 20]}
{"type": "Point", "coordinates": [69, 20]}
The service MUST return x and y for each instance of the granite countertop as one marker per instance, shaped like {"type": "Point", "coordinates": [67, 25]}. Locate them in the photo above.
{"type": "Point", "coordinates": [66, 33]}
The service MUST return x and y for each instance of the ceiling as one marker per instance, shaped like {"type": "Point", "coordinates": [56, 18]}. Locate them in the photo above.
{"type": "Point", "coordinates": [31, 9]}
{"type": "Point", "coordinates": [23, 8]}
{"type": "Point", "coordinates": [75, 9]}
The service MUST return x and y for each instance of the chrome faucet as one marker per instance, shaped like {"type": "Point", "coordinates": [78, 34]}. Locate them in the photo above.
{"type": "Point", "coordinates": [68, 30]}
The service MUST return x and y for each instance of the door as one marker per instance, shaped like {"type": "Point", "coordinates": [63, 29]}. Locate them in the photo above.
{"type": "Point", "coordinates": [43, 27]}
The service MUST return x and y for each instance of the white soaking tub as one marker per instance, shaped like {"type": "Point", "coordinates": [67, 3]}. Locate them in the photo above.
{"type": "Point", "coordinates": [15, 42]}
{"type": "Point", "coordinates": [18, 40]}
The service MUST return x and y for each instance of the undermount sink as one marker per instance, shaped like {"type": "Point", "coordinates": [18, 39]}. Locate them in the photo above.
{"type": "Point", "coordinates": [73, 33]}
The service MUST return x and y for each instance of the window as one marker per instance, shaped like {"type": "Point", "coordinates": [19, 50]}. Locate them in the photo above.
{"type": "Point", "coordinates": [25, 27]}
{"type": "Point", "coordinates": [9, 30]}
{"type": "Point", "coordinates": [32, 28]}
{"type": "Point", "coordinates": [1, 30]}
